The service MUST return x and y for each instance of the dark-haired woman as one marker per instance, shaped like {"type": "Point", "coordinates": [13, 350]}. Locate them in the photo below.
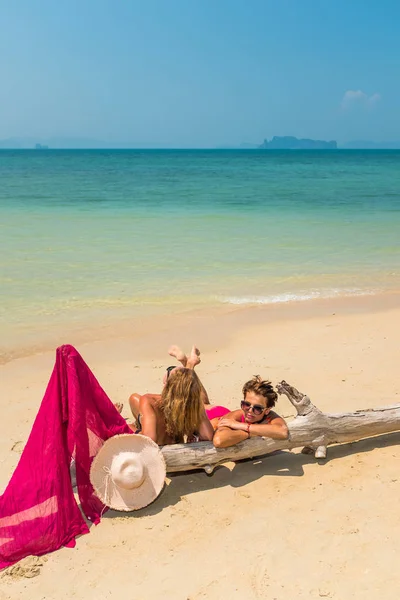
{"type": "Point", "coordinates": [255, 417]}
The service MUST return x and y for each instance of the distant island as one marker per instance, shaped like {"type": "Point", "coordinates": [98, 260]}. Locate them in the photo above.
{"type": "Point", "coordinates": [277, 143]}
{"type": "Point", "coordinates": [293, 143]}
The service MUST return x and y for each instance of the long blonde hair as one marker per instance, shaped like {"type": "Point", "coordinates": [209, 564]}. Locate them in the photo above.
{"type": "Point", "coordinates": [182, 404]}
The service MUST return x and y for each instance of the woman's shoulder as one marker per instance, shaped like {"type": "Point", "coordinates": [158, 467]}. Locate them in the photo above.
{"type": "Point", "coordinates": [271, 416]}
{"type": "Point", "coordinates": [236, 414]}
{"type": "Point", "coordinates": [150, 400]}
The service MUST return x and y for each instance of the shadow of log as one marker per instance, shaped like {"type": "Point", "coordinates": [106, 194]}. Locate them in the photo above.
{"type": "Point", "coordinates": [365, 445]}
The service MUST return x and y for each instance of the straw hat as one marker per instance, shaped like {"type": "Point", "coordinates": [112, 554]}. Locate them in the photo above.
{"type": "Point", "coordinates": [128, 472]}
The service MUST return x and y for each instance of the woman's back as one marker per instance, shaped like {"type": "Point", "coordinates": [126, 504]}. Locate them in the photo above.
{"type": "Point", "coordinates": [153, 421]}
{"type": "Point", "coordinates": [179, 412]}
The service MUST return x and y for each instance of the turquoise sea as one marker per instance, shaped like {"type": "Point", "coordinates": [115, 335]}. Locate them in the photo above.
{"type": "Point", "coordinates": [88, 234]}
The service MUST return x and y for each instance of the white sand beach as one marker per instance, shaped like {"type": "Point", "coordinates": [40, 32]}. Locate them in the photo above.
{"type": "Point", "coordinates": [281, 527]}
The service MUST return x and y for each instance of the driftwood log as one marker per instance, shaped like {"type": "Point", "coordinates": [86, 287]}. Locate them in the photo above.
{"type": "Point", "coordinates": [311, 429]}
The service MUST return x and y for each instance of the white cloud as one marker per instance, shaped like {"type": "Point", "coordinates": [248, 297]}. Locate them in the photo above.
{"type": "Point", "coordinates": [354, 98]}
{"type": "Point", "coordinates": [372, 100]}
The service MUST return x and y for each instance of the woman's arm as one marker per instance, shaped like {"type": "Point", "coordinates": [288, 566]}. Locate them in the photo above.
{"type": "Point", "coordinates": [148, 418]}
{"type": "Point", "coordinates": [275, 429]}
{"type": "Point", "coordinates": [231, 430]}
{"type": "Point", "coordinates": [206, 430]}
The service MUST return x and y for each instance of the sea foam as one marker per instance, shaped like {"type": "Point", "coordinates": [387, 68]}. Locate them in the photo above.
{"type": "Point", "coordinates": [299, 296]}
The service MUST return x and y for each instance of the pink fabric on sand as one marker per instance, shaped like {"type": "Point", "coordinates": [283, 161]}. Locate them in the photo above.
{"type": "Point", "coordinates": [38, 511]}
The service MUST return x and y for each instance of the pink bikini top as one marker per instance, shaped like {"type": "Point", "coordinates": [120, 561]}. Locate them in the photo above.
{"type": "Point", "coordinates": [216, 412]}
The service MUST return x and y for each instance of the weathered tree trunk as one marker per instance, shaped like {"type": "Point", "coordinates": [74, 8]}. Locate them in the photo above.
{"type": "Point", "coordinates": [312, 429]}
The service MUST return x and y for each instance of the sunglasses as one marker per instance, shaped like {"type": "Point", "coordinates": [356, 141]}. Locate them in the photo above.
{"type": "Point", "coordinates": [169, 369]}
{"type": "Point", "coordinates": [257, 408]}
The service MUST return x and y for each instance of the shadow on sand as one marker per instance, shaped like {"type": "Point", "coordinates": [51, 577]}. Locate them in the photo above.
{"type": "Point", "coordinates": [282, 463]}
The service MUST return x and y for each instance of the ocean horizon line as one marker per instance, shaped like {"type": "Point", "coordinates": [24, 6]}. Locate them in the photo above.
{"type": "Point", "coordinates": [203, 149]}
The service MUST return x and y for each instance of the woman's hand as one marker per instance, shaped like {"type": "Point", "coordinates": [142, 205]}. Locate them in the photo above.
{"type": "Point", "coordinates": [230, 422]}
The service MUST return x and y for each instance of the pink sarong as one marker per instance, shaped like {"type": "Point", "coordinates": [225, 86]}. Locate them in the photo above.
{"type": "Point", "coordinates": [38, 511]}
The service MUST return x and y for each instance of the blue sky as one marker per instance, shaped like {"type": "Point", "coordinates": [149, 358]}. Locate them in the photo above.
{"type": "Point", "coordinates": [200, 73]}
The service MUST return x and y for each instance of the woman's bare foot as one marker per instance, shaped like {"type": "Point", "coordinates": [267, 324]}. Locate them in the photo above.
{"type": "Point", "coordinates": [179, 354]}
{"type": "Point", "coordinates": [119, 406]}
{"type": "Point", "coordinates": [194, 358]}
